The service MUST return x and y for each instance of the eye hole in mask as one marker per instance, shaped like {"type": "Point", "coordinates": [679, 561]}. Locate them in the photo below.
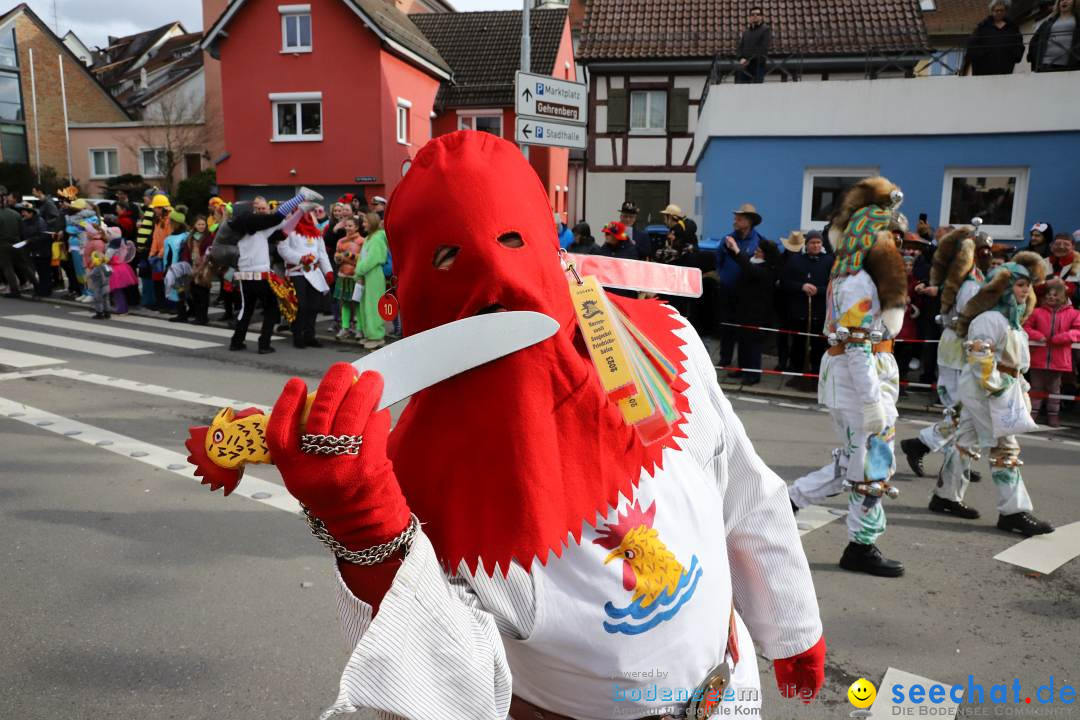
{"type": "Point", "coordinates": [511, 240]}
{"type": "Point", "coordinates": [444, 256]}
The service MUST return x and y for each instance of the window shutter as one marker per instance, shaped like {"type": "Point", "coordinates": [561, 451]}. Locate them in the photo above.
{"type": "Point", "coordinates": [616, 110]}
{"type": "Point", "coordinates": [679, 112]}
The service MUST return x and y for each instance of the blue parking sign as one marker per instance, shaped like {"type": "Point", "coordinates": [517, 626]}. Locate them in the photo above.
{"type": "Point", "coordinates": [539, 88]}
{"type": "Point", "coordinates": [539, 131]}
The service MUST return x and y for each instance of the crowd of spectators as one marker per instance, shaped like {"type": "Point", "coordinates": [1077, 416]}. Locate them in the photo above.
{"type": "Point", "coordinates": [118, 254]}
{"type": "Point", "coordinates": [760, 295]}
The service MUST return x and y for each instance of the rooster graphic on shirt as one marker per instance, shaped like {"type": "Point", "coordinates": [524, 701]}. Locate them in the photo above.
{"type": "Point", "coordinates": [659, 584]}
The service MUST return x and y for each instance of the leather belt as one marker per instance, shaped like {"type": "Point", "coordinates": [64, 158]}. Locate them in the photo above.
{"type": "Point", "coordinates": [251, 275]}
{"type": "Point", "coordinates": [718, 679]}
{"type": "Point", "coordinates": [1006, 370]}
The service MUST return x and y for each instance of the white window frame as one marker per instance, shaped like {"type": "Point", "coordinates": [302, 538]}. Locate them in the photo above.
{"type": "Point", "coordinates": [295, 11]}
{"type": "Point", "coordinates": [485, 113]}
{"type": "Point", "coordinates": [808, 189]}
{"type": "Point", "coordinates": [1016, 230]}
{"type": "Point", "coordinates": [298, 99]}
{"type": "Point", "coordinates": [402, 121]}
{"type": "Point", "coordinates": [648, 106]}
{"type": "Point", "coordinates": [116, 154]}
{"type": "Point", "coordinates": [159, 171]}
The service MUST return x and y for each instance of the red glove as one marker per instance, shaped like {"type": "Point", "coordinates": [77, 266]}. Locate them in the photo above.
{"type": "Point", "coordinates": [356, 496]}
{"type": "Point", "coordinates": [802, 675]}
{"type": "Point", "coordinates": [330, 278]}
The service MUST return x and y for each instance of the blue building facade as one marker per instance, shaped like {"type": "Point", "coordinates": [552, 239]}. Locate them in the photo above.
{"type": "Point", "coordinates": [773, 173]}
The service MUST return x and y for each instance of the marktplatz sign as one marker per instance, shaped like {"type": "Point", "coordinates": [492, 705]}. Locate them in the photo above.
{"type": "Point", "coordinates": [548, 98]}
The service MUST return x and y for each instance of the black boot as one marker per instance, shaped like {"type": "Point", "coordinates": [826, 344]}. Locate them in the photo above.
{"type": "Point", "coordinates": [915, 450]}
{"type": "Point", "coordinates": [952, 507]}
{"type": "Point", "coordinates": [236, 346]}
{"type": "Point", "coordinates": [867, 558]}
{"type": "Point", "coordinates": [974, 476]}
{"type": "Point", "coordinates": [1024, 523]}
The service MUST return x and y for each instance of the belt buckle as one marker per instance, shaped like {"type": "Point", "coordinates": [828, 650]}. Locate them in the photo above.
{"type": "Point", "coordinates": [711, 693]}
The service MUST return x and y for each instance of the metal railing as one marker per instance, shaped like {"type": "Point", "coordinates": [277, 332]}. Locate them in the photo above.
{"type": "Point", "coordinates": [869, 64]}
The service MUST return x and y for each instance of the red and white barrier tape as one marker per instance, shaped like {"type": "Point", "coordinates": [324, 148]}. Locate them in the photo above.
{"type": "Point", "coordinates": [903, 383]}
{"type": "Point", "coordinates": [1037, 343]}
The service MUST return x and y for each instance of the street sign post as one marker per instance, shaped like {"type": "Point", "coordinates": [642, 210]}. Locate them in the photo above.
{"type": "Point", "coordinates": [531, 131]}
{"type": "Point", "coordinates": [549, 98]}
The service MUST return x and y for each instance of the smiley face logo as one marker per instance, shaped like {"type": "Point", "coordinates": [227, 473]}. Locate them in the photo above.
{"type": "Point", "coordinates": [862, 693]}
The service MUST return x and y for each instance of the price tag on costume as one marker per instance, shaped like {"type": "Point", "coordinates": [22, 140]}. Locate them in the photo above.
{"type": "Point", "coordinates": [388, 307]}
{"type": "Point", "coordinates": [597, 323]}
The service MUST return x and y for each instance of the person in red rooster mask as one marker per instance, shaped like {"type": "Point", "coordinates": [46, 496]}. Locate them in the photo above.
{"type": "Point", "coordinates": [309, 269]}
{"type": "Point", "coordinates": [560, 556]}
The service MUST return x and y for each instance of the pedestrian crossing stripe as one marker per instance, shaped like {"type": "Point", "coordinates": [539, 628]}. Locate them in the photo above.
{"type": "Point", "coordinates": [16, 359]}
{"type": "Point", "coordinates": [1045, 553]}
{"type": "Point", "coordinates": [100, 328]}
{"type": "Point", "coordinates": [182, 327]}
{"type": "Point", "coordinates": [252, 487]}
{"type": "Point", "coordinates": [66, 342]}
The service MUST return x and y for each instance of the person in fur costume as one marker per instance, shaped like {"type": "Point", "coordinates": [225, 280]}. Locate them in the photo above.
{"type": "Point", "coordinates": [996, 356]}
{"type": "Point", "coordinates": [859, 382]}
{"type": "Point", "coordinates": [559, 551]}
{"type": "Point", "coordinates": [960, 264]}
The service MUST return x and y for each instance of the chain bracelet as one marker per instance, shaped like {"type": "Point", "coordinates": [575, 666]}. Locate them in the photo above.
{"type": "Point", "coordinates": [368, 556]}
{"type": "Point", "coordinates": [331, 444]}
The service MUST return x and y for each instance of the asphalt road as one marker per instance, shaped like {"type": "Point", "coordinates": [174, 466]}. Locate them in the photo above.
{"type": "Point", "coordinates": [130, 591]}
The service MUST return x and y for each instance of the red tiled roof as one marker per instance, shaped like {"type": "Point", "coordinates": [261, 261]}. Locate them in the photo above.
{"type": "Point", "coordinates": [959, 17]}
{"type": "Point", "coordinates": [484, 49]}
{"type": "Point", "coordinates": [624, 29]}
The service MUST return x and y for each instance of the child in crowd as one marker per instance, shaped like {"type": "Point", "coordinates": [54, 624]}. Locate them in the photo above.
{"type": "Point", "coordinates": [345, 255]}
{"type": "Point", "coordinates": [1052, 329]}
{"type": "Point", "coordinates": [121, 275]}
{"type": "Point", "coordinates": [97, 283]}
{"type": "Point", "coordinates": [176, 264]}
{"type": "Point", "coordinates": [202, 274]}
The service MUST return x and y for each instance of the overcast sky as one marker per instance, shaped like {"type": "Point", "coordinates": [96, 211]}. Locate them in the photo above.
{"type": "Point", "coordinates": [94, 20]}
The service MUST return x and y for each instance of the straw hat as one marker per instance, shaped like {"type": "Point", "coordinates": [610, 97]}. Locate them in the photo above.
{"type": "Point", "coordinates": [794, 242]}
{"type": "Point", "coordinates": [673, 211]}
{"type": "Point", "coordinates": [751, 212]}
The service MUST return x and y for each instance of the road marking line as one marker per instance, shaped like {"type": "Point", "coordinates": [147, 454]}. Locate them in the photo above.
{"type": "Point", "coordinates": [794, 406]}
{"type": "Point", "coordinates": [251, 487]}
{"type": "Point", "coordinates": [16, 359]}
{"type": "Point", "coordinates": [919, 422]}
{"type": "Point", "coordinates": [812, 517]}
{"type": "Point", "coordinates": [183, 327]}
{"type": "Point", "coordinates": [1045, 553]}
{"type": "Point", "coordinates": [883, 705]}
{"type": "Point", "coordinates": [758, 401]}
{"type": "Point", "coordinates": [118, 332]}
{"type": "Point", "coordinates": [65, 342]}
{"type": "Point", "coordinates": [157, 390]}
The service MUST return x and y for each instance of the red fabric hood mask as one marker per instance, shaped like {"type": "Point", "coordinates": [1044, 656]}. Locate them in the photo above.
{"type": "Point", "coordinates": [509, 460]}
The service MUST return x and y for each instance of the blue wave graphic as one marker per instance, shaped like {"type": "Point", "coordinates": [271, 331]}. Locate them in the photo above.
{"type": "Point", "coordinates": [683, 592]}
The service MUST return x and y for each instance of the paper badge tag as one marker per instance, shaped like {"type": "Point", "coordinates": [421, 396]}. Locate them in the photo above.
{"type": "Point", "coordinates": [388, 307]}
{"type": "Point", "coordinates": [596, 321]}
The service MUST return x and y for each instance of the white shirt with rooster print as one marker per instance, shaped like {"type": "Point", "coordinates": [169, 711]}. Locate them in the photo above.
{"type": "Point", "coordinates": [625, 624]}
